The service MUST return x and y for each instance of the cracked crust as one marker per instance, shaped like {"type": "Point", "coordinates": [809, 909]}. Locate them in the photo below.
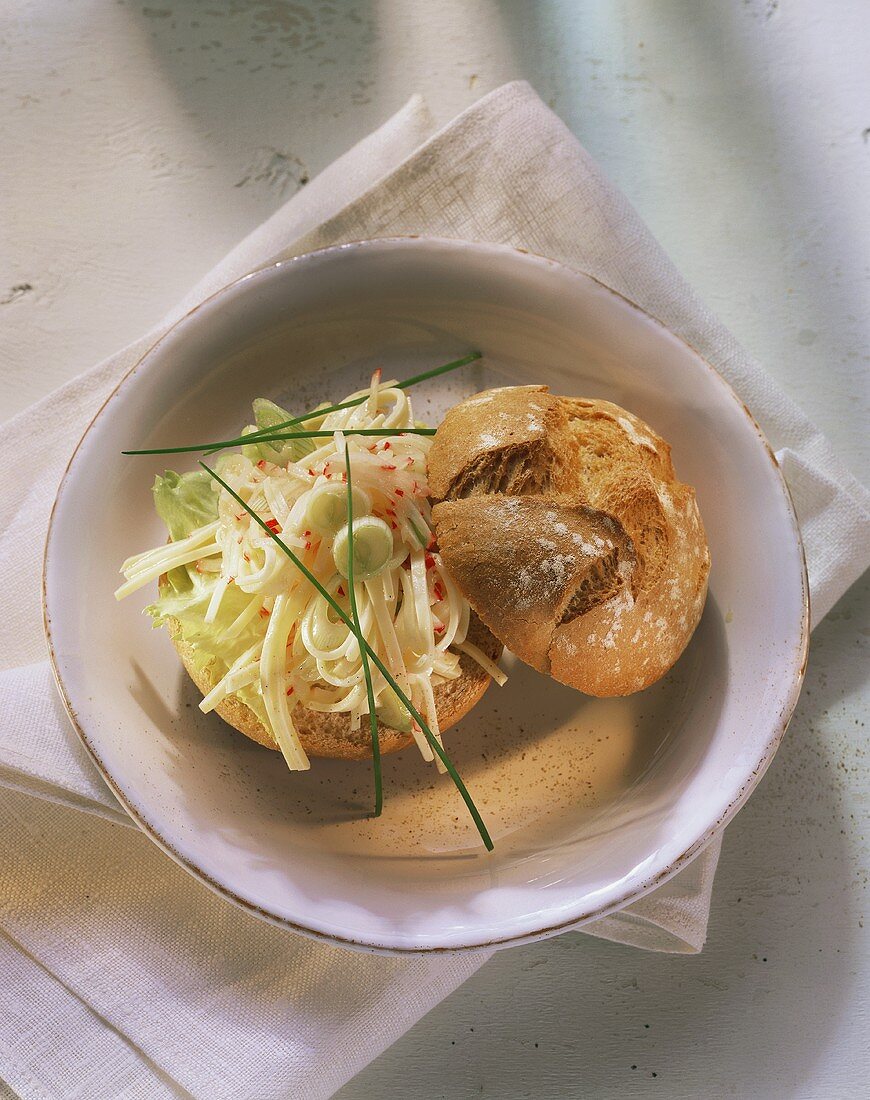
{"type": "Point", "coordinates": [564, 525]}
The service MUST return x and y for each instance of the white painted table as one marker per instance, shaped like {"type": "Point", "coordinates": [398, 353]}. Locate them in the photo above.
{"type": "Point", "coordinates": [142, 140]}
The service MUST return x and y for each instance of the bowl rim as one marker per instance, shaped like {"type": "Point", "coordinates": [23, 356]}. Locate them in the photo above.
{"type": "Point", "coordinates": [650, 883]}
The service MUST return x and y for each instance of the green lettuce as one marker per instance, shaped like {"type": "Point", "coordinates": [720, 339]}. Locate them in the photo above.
{"type": "Point", "coordinates": [269, 415]}
{"type": "Point", "coordinates": [185, 501]}
{"type": "Point", "coordinates": [183, 597]}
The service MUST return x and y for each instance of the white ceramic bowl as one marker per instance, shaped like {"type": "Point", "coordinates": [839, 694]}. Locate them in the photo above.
{"type": "Point", "coordinates": [591, 802]}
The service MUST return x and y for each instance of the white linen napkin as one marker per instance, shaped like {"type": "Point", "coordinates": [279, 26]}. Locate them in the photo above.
{"type": "Point", "coordinates": [123, 976]}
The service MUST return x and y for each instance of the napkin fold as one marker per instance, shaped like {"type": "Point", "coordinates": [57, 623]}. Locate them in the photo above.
{"type": "Point", "coordinates": [122, 975]}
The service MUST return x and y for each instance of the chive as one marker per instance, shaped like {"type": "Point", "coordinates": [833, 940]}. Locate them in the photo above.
{"type": "Point", "coordinates": [370, 693]}
{"type": "Point", "coordinates": [427, 374]}
{"type": "Point", "coordinates": [245, 439]}
{"type": "Point", "coordinates": [266, 435]}
{"type": "Point", "coordinates": [378, 663]}
{"type": "Point", "coordinates": [454, 365]}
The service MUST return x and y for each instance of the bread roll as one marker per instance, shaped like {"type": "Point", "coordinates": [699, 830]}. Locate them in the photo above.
{"type": "Point", "coordinates": [564, 525]}
{"type": "Point", "coordinates": [330, 734]}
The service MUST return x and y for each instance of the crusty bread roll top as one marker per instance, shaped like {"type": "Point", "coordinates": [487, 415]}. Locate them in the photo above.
{"type": "Point", "coordinates": [564, 525]}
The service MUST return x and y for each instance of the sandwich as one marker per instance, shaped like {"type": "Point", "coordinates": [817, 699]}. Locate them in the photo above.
{"type": "Point", "coordinates": [342, 583]}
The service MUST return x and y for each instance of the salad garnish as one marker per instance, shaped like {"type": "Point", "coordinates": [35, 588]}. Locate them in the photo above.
{"type": "Point", "coordinates": [303, 572]}
{"type": "Point", "coordinates": [270, 436]}
{"type": "Point", "coordinates": [418, 718]}
{"type": "Point", "coordinates": [268, 433]}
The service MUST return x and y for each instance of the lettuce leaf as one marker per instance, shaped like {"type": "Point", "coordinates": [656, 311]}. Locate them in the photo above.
{"type": "Point", "coordinates": [185, 501]}
{"type": "Point", "coordinates": [269, 415]}
{"type": "Point", "coordinates": [184, 596]}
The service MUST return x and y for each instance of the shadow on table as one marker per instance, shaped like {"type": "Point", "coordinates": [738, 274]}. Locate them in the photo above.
{"type": "Point", "coordinates": [577, 57]}
{"type": "Point", "coordinates": [232, 65]}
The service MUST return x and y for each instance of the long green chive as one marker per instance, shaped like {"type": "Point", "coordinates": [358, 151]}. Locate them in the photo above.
{"type": "Point", "coordinates": [243, 439]}
{"type": "Point", "coordinates": [376, 661]}
{"type": "Point", "coordinates": [454, 365]}
{"type": "Point", "coordinates": [370, 691]}
{"type": "Point", "coordinates": [435, 371]}
{"type": "Point", "coordinates": [267, 435]}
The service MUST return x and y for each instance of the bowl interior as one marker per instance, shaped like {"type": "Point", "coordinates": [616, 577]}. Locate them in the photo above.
{"type": "Point", "coordinates": [589, 801]}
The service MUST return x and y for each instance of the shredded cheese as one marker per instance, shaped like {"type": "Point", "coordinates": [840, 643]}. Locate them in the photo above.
{"type": "Point", "coordinates": [411, 612]}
